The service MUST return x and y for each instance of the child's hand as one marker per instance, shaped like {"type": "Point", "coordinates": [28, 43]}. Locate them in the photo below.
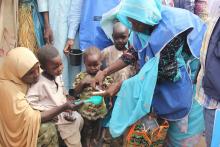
{"type": "Point", "coordinates": [70, 98]}
{"type": "Point", "coordinates": [87, 81]}
{"type": "Point", "coordinates": [98, 80]}
{"type": "Point", "coordinates": [72, 106]}
{"type": "Point", "coordinates": [68, 116]}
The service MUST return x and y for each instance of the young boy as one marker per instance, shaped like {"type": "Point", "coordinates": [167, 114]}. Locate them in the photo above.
{"type": "Point", "coordinates": [112, 53]}
{"type": "Point", "coordinates": [92, 114]}
{"type": "Point", "coordinates": [49, 92]}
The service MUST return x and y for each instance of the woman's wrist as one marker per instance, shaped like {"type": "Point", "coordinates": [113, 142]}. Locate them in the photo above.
{"type": "Point", "coordinates": [65, 106]}
{"type": "Point", "coordinates": [105, 71]}
{"type": "Point", "coordinates": [46, 26]}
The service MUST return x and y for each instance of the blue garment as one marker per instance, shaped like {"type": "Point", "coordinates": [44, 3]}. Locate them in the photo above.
{"type": "Point", "coordinates": [147, 11]}
{"type": "Point", "coordinates": [193, 124]}
{"type": "Point", "coordinates": [216, 128]}
{"type": "Point", "coordinates": [134, 99]}
{"type": "Point", "coordinates": [90, 32]}
{"type": "Point", "coordinates": [167, 100]}
{"type": "Point", "coordinates": [171, 100]}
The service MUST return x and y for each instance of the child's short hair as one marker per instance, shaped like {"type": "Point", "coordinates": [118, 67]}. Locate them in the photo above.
{"type": "Point", "coordinates": [91, 51]}
{"type": "Point", "coordinates": [119, 26]}
{"type": "Point", "coordinates": [47, 53]}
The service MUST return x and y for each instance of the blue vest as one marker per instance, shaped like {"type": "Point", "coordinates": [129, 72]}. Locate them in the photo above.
{"type": "Point", "coordinates": [90, 31]}
{"type": "Point", "coordinates": [173, 100]}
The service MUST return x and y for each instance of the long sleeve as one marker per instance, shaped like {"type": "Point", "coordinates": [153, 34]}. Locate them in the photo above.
{"type": "Point", "coordinates": [74, 17]}
{"type": "Point", "coordinates": [42, 5]}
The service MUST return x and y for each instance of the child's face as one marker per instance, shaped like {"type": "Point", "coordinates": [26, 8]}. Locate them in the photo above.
{"type": "Point", "coordinates": [120, 39]}
{"type": "Point", "coordinates": [93, 64]}
{"type": "Point", "coordinates": [54, 67]}
{"type": "Point", "coordinates": [32, 75]}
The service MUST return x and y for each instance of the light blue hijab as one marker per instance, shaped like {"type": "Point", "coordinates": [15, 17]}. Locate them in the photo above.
{"type": "Point", "coordinates": [145, 11]}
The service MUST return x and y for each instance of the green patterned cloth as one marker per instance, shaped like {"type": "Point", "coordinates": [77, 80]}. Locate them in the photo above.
{"type": "Point", "coordinates": [48, 135]}
{"type": "Point", "coordinates": [90, 111]}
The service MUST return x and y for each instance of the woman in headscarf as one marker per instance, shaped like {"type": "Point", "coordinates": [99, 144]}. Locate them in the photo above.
{"type": "Point", "coordinates": [161, 37]}
{"type": "Point", "coordinates": [20, 125]}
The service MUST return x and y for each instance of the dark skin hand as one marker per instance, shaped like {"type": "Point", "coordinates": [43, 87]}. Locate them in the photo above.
{"type": "Point", "coordinates": [116, 66]}
{"type": "Point", "coordinates": [48, 34]}
{"type": "Point", "coordinates": [86, 82]}
{"type": "Point", "coordinates": [50, 114]}
{"type": "Point", "coordinates": [112, 90]}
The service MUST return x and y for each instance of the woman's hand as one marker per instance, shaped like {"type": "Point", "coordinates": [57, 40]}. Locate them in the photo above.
{"type": "Point", "coordinates": [111, 91]}
{"type": "Point", "coordinates": [48, 35]}
{"type": "Point", "coordinates": [98, 79]}
{"type": "Point", "coordinates": [68, 46]}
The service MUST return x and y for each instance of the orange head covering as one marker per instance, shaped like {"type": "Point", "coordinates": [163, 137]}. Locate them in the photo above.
{"type": "Point", "coordinates": [19, 125]}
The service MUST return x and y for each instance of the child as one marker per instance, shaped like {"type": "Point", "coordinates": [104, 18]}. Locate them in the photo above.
{"type": "Point", "coordinates": [48, 93]}
{"type": "Point", "coordinates": [92, 114]}
{"type": "Point", "coordinates": [112, 53]}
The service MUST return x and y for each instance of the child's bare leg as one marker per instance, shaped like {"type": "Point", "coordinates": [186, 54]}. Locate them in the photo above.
{"type": "Point", "coordinates": [96, 133]}
{"type": "Point", "coordinates": [86, 133]}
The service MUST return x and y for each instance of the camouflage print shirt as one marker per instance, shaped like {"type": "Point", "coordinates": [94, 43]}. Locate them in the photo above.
{"type": "Point", "coordinates": [90, 111]}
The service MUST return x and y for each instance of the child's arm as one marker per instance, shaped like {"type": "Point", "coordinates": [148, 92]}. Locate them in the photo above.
{"type": "Point", "coordinates": [50, 114]}
{"type": "Point", "coordinates": [80, 83]}
{"type": "Point", "coordinates": [78, 88]}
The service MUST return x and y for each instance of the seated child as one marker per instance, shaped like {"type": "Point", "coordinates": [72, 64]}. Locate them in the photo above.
{"type": "Point", "coordinates": [92, 114]}
{"type": "Point", "coordinates": [49, 92]}
{"type": "Point", "coordinates": [112, 53]}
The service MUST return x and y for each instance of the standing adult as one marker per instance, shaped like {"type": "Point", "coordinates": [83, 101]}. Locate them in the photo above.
{"type": "Point", "coordinates": [30, 25]}
{"type": "Point", "coordinates": [91, 15]}
{"type": "Point", "coordinates": [161, 37]}
{"type": "Point", "coordinates": [208, 85]}
{"type": "Point", "coordinates": [199, 7]}
{"type": "Point", "coordinates": [8, 25]}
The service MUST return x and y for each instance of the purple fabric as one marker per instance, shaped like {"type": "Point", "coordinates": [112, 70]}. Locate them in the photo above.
{"type": "Point", "coordinates": [211, 80]}
{"type": "Point", "coordinates": [185, 4]}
